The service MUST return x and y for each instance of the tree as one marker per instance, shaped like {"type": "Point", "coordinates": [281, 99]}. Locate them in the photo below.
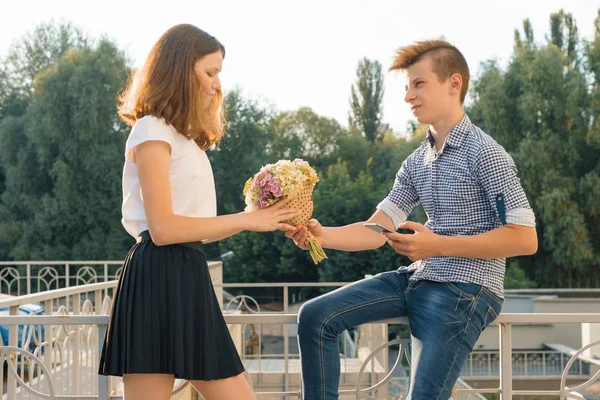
{"type": "Point", "coordinates": [26, 57]}
{"type": "Point", "coordinates": [563, 34]}
{"type": "Point", "coordinates": [366, 97]}
{"type": "Point", "coordinates": [239, 155]}
{"type": "Point", "coordinates": [515, 277]}
{"type": "Point", "coordinates": [387, 157]}
{"type": "Point", "coordinates": [307, 135]}
{"type": "Point", "coordinates": [256, 137]}
{"type": "Point", "coordinates": [65, 158]}
{"type": "Point", "coordinates": [541, 109]}
{"type": "Point", "coordinates": [32, 53]}
{"type": "Point", "coordinates": [590, 183]}
{"type": "Point", "coordinates": [341, 200]}
{"type": "Point", "coordinates": [355, 150]}
{"type": "Point", "coordinates": [242, 151]}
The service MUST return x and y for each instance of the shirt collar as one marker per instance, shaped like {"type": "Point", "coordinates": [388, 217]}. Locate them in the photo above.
{"type": "Point", "coordinates": [457, 135]}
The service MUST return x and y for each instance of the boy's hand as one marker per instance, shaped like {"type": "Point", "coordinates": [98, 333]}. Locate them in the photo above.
{"type": "Point", "coordinates": [299, 234]}
{"type": "Point", "coordinates": [417, 246]}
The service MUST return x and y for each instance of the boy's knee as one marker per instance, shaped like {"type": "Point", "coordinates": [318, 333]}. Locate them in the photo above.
{"type": "Point", "coordinates": [309, 316]}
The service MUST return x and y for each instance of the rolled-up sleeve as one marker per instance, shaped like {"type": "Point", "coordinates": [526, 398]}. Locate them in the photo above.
{"type": "Point", "coordinates": [401, 198]}
{"type": "Point", "coordinates": [497, 173]}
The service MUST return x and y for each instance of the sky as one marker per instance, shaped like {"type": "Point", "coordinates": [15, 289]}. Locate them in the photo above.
{"type": "Point", "coordinates": [291, 54]}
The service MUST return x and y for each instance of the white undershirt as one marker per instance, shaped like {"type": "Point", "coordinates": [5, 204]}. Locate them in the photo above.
{"type": "Point", "coordinates": [190, 175]}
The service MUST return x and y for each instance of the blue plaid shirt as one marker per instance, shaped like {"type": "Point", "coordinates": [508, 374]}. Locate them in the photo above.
{"type": "Point", "coordinates": [469, 187]}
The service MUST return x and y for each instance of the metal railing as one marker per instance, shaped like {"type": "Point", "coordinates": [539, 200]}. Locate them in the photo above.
{"type": "Point", "coordinates": [14, 355]}
{"type": "Point", "coordinates": [26, 277]}
{"type": "Point", "coordinates": [531, 364]}
{"type": "Point", "coordinates": [70, 344]}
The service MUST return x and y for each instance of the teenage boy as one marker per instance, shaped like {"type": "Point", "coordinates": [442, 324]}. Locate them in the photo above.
{"type": "Point", "coordinates": [478, 215]}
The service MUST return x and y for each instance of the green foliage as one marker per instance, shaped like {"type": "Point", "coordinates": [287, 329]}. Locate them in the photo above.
{"type": "Point", "coordinates": [360, 197]}
{"type": "Point", "coordinates": [61, 157]}
{"type": "Point", "coordinates": [304, 134]}
{"type": "Point", "coordinates": [544, 110]}
{"type": "Point", "coordinates": [62, 154]}
{"type": "Point", "coordinates": [366, 97]}
{"type": "Point", "coordinates": [515, 277]}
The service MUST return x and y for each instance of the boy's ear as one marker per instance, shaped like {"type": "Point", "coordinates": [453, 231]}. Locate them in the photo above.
{"type": "Point", "coordinates": [456, 82]}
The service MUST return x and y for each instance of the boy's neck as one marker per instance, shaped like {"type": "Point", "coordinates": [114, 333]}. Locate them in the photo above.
{"type": "Point", "coordinates": [441, 128]}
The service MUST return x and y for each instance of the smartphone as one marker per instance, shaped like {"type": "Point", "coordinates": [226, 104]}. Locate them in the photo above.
{"type": "Point", "coordinates": [377, 227]}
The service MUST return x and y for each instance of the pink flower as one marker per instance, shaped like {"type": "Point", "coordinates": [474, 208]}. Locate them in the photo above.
{"type": "Point", "coordinates": [266, 180]}
{"type": "Point", "coordinates": [276, 190]}
{"type": "Point", "coordinates": [265, 170]}
{"type": "Point", "coordinates": [268, 184]}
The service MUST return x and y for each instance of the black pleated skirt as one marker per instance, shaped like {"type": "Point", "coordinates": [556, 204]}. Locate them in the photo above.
{"type": "Point", "coordinates": [166, 319]}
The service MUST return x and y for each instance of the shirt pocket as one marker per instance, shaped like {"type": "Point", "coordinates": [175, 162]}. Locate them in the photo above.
{"type": "Point", "coordinates": [457, 191]}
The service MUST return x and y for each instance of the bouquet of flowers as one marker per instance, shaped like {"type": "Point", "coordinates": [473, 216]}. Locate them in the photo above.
{"type": "Point", "coordinates": [283, 179]}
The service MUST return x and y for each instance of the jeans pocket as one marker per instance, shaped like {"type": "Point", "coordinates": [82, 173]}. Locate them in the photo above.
{"type": "Point", "coordinates": [466, 290]}
{"type": "Point", "coordinates": [414, 285]}
{"type": "Point", "coordinates": [490, 316]}
{"type": "Point", "coordinates": [498, 302]}
{"type": "Point", "coordinates": [468, 298]}
{"type": "Point", "coordinates": [493, 306]}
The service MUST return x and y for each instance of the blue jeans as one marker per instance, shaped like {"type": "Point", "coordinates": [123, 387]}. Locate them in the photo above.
{"type": "Point", "coordinates": [445, 319]}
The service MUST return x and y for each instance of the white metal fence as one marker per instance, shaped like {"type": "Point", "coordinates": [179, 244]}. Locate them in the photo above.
{"type": "Point", "coordinates": [56, 356]}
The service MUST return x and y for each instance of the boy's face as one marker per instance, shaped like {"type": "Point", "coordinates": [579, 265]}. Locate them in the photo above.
{"type": "Point", "coordinates": [430, 99]}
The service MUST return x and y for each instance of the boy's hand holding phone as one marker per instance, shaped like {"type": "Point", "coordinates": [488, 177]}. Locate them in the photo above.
{"type": "Point", "coordinates": [423, 243]}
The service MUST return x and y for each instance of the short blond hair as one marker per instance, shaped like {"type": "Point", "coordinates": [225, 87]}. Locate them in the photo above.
{"type": "Point", "coordinates": [445, 57]}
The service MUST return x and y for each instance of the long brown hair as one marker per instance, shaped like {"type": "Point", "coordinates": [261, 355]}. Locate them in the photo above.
{"type": "Point", "coordinates": [167, 87]}
{"type": "Point", "coordinates": [445, 58]}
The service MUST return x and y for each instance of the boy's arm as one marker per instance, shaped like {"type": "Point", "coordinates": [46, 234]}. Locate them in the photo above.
{"type": "Point", "coordinates": [510, 240]}
{"type": "Point", "coordinates": [497, 175]}
{"type": "Point", "coordinates": [391, 212]}
{"type": "Point", "coordinates": [355, 237]}
{"type": "Point", "coordinates": [507, 241]}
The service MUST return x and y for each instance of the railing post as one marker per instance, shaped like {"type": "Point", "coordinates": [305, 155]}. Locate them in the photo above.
{"type": "Point", "coordinates": [49, 338]}
{"type": "Point", "coordinates": [505, 361]}
{"type": "Point", "coordinates": [286, 339]}
{"type": "Point", "coordinates": [544, 363]}
{"type": "Point", "coordinates": [98, 302]}
{"type": "Point", "coordinates": [13, 341]}
{"type": "Point", "coordinates": [67, 277]}
{"type": "Point", "coordinates": [103, 389]}
{"type": "Point", "coordinates": [471, 371]}
{"type": "Point", "coordinates": [28, 278]}
{"type": "Point", "coordinates": [386, 362]}
{"type": "Point", "coordinates": [77, 338]}
{"type": "Point", "coordinates": [106, 280]}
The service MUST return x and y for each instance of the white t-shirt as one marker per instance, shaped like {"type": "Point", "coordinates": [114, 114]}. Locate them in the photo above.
{"type": "Point", "coordinates": [190, 175]}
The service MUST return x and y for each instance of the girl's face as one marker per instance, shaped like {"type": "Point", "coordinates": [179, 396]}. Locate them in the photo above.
{"type": "Point", "coordinates": [207, 69]}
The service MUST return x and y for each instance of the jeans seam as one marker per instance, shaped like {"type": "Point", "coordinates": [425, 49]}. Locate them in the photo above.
{"type": "Point", "coordinates": [462, 293]}
{"type": "Point", "coordinates": [474, 305]}
{"type": "Point", "coordinates": [353, 307]}
{"type": "Point", "coordinates": [474, 299]}
{"type": "Point", "coordinates": [494, 297]}
{"type": "Point", "coordinates": [462, 339]}
{"type": "Point", "coordinates": [492, 313]}
{"type": "Point", "coordinates": [416, 285]}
